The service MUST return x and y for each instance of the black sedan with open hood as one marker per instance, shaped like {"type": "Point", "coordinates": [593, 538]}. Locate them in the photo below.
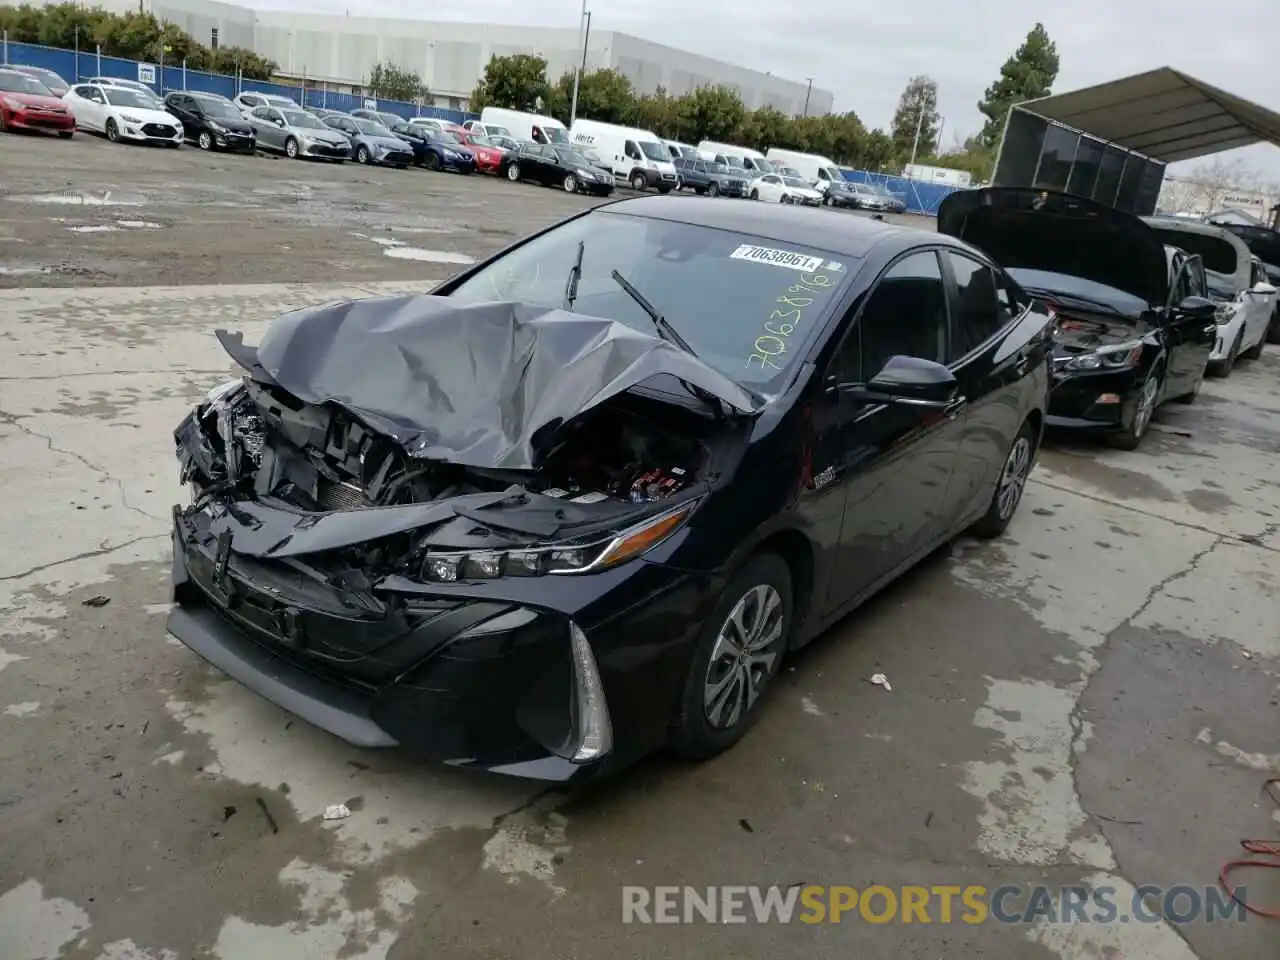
{"type": "Point", "coordinates": [577, 504]}
{"type": "Point", "coordinates": [1130, 331]}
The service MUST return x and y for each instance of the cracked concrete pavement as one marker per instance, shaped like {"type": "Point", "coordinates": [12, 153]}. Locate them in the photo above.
{"type": "Point", "coordinates": [1091, 700]}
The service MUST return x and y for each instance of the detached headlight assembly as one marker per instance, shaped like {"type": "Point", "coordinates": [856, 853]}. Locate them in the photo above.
{"type": "Point", "coordinates": [1118, 357]}
{"type": "Point", "coordinates": [561, 558]}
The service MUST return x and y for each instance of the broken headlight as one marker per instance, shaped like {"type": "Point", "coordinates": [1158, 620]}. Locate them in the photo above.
{"type": "Point", "coordinates": [1108, 358]}
{"type": "Point", "coordinates": [570, 557]}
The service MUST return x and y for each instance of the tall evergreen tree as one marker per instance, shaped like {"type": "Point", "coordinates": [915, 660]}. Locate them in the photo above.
{"type": "Point", "coordinates": [917, 105]}
{"type": "Point", "coordinates": [1027, 75]}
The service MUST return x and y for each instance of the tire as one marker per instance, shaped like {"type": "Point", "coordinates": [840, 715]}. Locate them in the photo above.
{"type": "Point", "coordinates": [638, 182]}
{"type": "Point", "coordinates": [828, 202]}
{"type": "Point", "coordinates": [713, 190]}
{"type": "Point", "coordinates": [1273, 331]}
{"type": "Point", "coordinates": [755, 194]}
{"type": "Point", "coordinates": [362, 154]}
{"type": "Point", "coordinates": [1148, 399]}
{"type": "Point", "coordinates": [700, 191]}
{"type": "Point", "coordinates": [112, 131]}
{"type": "Point", "coordinates": [66, 134]}
{"type": "Point", "coordinates": [570, 184]}
{"type": "Point", "coordinates": [291, 148]}
{"type": "Point", "coordinates": [1010, 485]}
{"type": "Point", "coordinates": [1255, 352]}
{"type": "Point", "coordinates": [1221, 369]}
{"type": "Point", "coordinates": [761, 588]}
{"type": "Point", "coordinates": [513, 173]}
{"type": "Point", "coordinates": [205, 140]}
{"type": "Point", "coordinates": [434, 162]}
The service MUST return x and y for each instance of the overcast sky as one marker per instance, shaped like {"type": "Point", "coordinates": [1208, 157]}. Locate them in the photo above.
{"type": "Point", "coordinates": [866, 57]}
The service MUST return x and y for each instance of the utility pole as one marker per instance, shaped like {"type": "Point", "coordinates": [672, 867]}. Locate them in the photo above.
{"type": "Point", "coordinates": [919, 123]}
{"type": "Point", "coordinates": [577, 74]}
{"type": "Point", "coordinates": [585, 42]}
{"type": "Point", "coordinates": [807, 94]}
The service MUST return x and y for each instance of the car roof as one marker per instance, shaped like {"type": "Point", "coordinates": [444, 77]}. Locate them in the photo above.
{"type": "Point", "coordinates": [850, 236]}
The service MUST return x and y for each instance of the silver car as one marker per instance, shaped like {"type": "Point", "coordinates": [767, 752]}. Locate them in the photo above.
{"type": "Point", "coordinates": [296, 133]}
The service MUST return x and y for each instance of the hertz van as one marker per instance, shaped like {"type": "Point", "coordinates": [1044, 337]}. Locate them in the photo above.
{"type": "Point", "coordinates": [531, 127]}
{"type": "Point", "coordinates": [810, 165]}
{"type": "Point", "coordinates": [636, 157]}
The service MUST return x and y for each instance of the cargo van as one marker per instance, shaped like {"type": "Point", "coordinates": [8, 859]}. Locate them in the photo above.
{"type": "Point", "coordinates": [680, 150]}
{"type": "Point", "coordinates": [525, 126]}
{"type": "Point", "coordinates": [636, 157]}
{"type": "Point", "coordinates": [812, 166]}
{"type": "Point", "coordinates": [753, 161]}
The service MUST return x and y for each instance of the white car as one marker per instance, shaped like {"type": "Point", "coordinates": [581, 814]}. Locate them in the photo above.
{"type": "Point", "coordinates": [136, 85]}
{"type": "Point", "coordinates": [1243, 322]}
{"type": "Point", "coordinates": [774, 188]}
{"type": "Point", "coordinates": [122, 114]}
{"type": "Point", "coordinates": [250, 100]}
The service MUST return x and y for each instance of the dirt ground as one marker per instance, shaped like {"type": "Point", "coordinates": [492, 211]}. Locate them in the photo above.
{"type": "Point", "coordinates": [1090, 703]}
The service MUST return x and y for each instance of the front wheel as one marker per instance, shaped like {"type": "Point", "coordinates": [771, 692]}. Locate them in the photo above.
{"type": "Point", "coordinates": [204, 141]}
{"type": "Point", "coordinates": [362, 154]}
{"type": "Point", "coordinates": [1221, 369]}
{"type": "Point", "coordinates": [736, 658]}
{"type": "Point", "coordinates": [112, 131]}
{"type": "Point", "coordinates": [570, 184]}
{"type": "Point", "coordinates": [1148, 395]}
{"type": "Point", "coordinates": [755, 194]}
{"type": "Point", "coordinates": [291, 148]}
{"type": "Point", "coordinates": [637, 182]}
{"type": "Point", "coordinates": [434, 162]}
{"type": "Point", "coordinates": [1010, 486]}
{"type": "Point", "coordinates": [513, 173]}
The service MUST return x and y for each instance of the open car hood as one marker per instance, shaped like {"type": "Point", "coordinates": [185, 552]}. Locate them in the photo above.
{"type": "Point", "coordinates": [1058, 232]}
{"type": "Point", "coordinates": [480, 385]}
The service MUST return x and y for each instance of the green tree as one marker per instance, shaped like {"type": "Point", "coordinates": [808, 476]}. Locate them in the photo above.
{"type": "Point", "coordinates": [764, 128]}
{"type": "Point", "coordinates": [604, 95]}
{"type": "Point", "coordinates": [517, 82]}
{"type": "Point", "coordinates": [918, 105]}
{"type": "Point", "coordinates": [658, 112]}
{"type": "Point", "coordinates": [227, 60]}
{"type": "Point", "coordinates": [391, 82]}
{"type": "Point", "coordinates": [879, 153]}
{"type": "Point", "coordinates": [1027, 75]}
{"type": "Point", "coordinates": [712, 113]}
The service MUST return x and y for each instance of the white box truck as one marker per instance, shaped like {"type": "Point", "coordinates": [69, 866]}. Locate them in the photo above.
{"type": "Point", "coordinates": [636, 157]}
{"type": "Point", "coordinates": [940, 175]}
{"type": "Point", "coordinates": [811, 166]}
{"type": "Point", "coordinates": [525, 126]}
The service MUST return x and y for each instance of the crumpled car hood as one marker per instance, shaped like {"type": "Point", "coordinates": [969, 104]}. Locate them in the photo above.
{"type": "Point", "coordinates": [481, 385]}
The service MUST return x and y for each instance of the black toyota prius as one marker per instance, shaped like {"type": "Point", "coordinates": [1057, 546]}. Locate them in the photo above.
{"type": "Point", "coordinates": [1133, 324]}
{"type": "Point", "coordinates": [578, 504]}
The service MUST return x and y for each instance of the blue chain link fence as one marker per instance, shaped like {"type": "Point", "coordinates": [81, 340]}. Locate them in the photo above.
{"type": "Point", "coordinates": [919, 197]}
{"type": "Point", "coordinates": [76, 67]}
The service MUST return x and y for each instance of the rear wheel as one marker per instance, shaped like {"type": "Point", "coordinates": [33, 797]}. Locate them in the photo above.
{"type": "Point", "coordinates": [362, 154]}
{"type": "Point", "coordinates": [112, 131]}
{"type": "Point", "coordinates": [736, 658]}
{"type": "Point", "coordinates": [1148, 395]}
{"type": "Point", "coordinates": [1273, 332]}
{"type": "Point", "coordinates": [1010, 486]}
{"type": "Point", "coordinates": [570, 184]}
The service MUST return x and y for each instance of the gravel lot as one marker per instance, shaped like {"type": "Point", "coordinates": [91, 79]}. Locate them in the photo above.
{"type": "Point", "coordinates": [1093, 699]}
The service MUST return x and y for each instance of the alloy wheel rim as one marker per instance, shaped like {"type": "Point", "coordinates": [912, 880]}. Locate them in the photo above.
{"type": "Point", "coordinates": [292, 149]}
{"type": "Point", "coordinates": [1014, 478]}
{"type": "Point", "coordinates": [570, 184]}
{"type": "Point", "coordinates": [1146, 404]}
{"type": "Point", "coordinates": [206, 141]}
{"type": "Point", "coordinates": [742, 657]}
{"type": "Point", "coordinates": [513, 172]}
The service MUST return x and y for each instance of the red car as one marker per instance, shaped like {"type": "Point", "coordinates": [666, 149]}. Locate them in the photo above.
{"type": "Point", "coordinates": [27, 104]}
{"type": "Point", "coordinates": [488, 157]}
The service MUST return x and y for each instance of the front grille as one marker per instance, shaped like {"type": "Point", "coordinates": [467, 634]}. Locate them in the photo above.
{"type": "Point", "coordinates": [668, 176]}
{"type": "Point", "coordinates": [341, 496]}
{"type": "Point", "coordinates": [56, 120]}
{"type": "Point", "coordinates": [158, 130]}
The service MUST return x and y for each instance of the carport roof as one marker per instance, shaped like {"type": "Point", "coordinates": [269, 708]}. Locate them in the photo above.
{"type": "Point", "coordinates": [1163, 114]}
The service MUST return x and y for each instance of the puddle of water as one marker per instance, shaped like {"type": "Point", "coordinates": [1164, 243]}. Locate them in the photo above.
{"type": "Point", "coordinates": [108, 198]}
{"type": "Point", "coordinates": [95, 228]}
{"type": "Point", "coordinates": [387, 242]}
{"type": "Point", "coordinates": [139, 224]}
{"type": "Point", "coordinates": [395, 229]}
{"type": "Point", "coordinates": [430, 256]}
{"type": "Point", "coordinates": [21, 271]}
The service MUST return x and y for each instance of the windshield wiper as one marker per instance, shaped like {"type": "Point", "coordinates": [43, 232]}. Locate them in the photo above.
{"type": "Point", "coordinates": [665, 329]}
{"type": "Point", "coordinates": [575, 274]}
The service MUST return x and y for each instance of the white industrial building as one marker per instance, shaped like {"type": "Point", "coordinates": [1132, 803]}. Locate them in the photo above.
{"type": "Point", "coordinates": [451, 57]}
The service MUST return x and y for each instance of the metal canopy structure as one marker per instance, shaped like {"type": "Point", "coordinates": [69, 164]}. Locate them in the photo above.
{"type": "Point", "coordinates": [1164, 114]}
{"type": "Point", "coordinates": [1111, 142]}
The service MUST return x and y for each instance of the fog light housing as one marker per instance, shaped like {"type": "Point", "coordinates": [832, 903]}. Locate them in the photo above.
{"type": "Point", "coordinates": [592, 726]}
{"type": "Point", "coordinates": [1109, 398]}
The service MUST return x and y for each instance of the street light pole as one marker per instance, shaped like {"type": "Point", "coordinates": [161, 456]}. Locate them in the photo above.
{"type": "Point", "coordinates": [919, 123]}
{"type": "Point", "coordinates": [807, 94]}
{"type": "Point", "coordinates": [577, 74]}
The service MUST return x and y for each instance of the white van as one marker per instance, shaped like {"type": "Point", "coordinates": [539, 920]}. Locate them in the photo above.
{"type": "Point", "coordinates": [812, 166]}
{"type": "Point", "coordinates": [525, 126]}
{"type": "Point", "coordinates": [636, 157]}
{"type": "Point", "coordinates": [681, 151]}
{"type": "Point", "coordinates": [753, 161]}
{"type": "Point", "coordinates": [486, 130]}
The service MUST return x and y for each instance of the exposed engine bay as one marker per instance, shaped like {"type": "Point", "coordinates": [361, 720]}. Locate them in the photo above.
{"type": "Point", "coordinates": [251, 437]}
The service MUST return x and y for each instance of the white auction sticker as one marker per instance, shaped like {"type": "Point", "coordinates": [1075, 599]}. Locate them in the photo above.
{"type": "Point", "coordinates": [777, 258]}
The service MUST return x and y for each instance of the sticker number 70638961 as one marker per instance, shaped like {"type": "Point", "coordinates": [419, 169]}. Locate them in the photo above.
{"type": "Point", "coordinates": [777, 258]}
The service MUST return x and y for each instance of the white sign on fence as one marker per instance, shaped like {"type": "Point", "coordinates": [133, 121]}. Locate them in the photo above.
{"type": "Point", "coordinates": [371, 104]}
{"type": "Point", "coordinates": [146, 73]}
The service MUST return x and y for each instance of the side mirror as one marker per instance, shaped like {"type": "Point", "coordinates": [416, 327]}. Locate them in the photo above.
{"type": "Point", "coordinates": [278, 122]}
{"type": "Point", "coordinates": [1197, 308]}
{"type": "Point", "coordinates": [911, 381]}
{"type": "Point", "coordinates": [1263, 288]}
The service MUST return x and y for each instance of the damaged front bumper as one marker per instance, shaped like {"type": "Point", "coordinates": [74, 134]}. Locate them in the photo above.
{"type": "Point", "coordinates": [549, 678]}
